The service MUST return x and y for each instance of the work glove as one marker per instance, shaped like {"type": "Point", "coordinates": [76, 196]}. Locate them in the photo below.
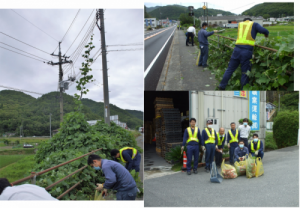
{"type": "Point", "coordinates": [104, 192]}
{"type": "Point", "coordinates": [216, 31]}
{"type": "Point", "coordinates": [99, 187]}
{"type": "Point", "coordinates": [228, 145]}
{"type": "Point", "coordinates": [216, 146]}
{"type": "Point", "coordinates": [203, 148]}
{"type": "Point", "coordinates": [221, 150]}
{"type": "Point", "coordinates": [256, 153]}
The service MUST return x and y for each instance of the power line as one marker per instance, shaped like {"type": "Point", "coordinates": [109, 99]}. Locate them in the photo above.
{"type": "Point", "coordinates": [80, 31]}
{"type": "Point", "coordinates": [20, 90]}
{"type": "Point", "coordinates": [242, 6]}
{"type": "Point", "coordinates": [129, 44]}
{"type": "Point", "coordinates": [34, 25]}
{"type": "Point", "coordinates": [25, 43]}
{"type": "Point", "coordinates": [71, 25]}
{"type": "Point", "coordinates": [132, 49]}
{"type": "Point", "coordinates": [24, 51]}
{"type": "Point", "coordinates": [23, 54]}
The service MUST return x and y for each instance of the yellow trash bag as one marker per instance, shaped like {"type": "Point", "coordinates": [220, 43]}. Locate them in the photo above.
{"type": "Point", "coordinates": [259, 167]}
{"type": "Point", "coordinates": [240, 167]}
{"type": "Point", "coordinates": [197, 61]}
{"type": "Point", "coordinates": [250, 167]}
{"type": "Point", "coordinates": [228, 171]}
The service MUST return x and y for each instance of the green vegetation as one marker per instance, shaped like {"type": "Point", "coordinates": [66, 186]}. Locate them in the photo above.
{"type": "Point", "coordinates": [136, 133]}
{"type": "Point", "coordinates": [25, 140]}
{"type": "Point", "coordinates": [20, 108]}
{"type": "Point", "coordinates": [9, 159]}
{"type": "Point", "coordinates": [173, 12]}
{"type": "Point", "coordinates": [285, 128]}
{"type": "Point", "coordinates": [273, 9]}
{"type": "Point", "coordinates": [270, 142]}
{"type": "Point", "coordinates": [17, 151]}
{"type": "Point", "coordinates": [19, 169]}
{"type": "Point", "coordinates": [146, 15]}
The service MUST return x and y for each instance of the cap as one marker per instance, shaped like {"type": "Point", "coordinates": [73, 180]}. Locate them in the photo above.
{"type": "Point", "coordinates": [209, 122]}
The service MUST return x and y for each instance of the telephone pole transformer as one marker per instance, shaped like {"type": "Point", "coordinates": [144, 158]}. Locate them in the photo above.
{"type": "Point", "coordinates": [100, 16]}
{"type": "Point", "coordinates": [60, 63]}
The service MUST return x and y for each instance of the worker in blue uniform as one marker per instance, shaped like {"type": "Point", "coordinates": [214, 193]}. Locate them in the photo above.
{"type": "Point", "coordinates": [240, 152]}
{"type": "Point", "coordinates": [256, 147]}
{"type": "Point", "coordinates": [233, 137]}
{"type": "Point", "coordinates": [116, 178]}
{"type": "Point", "coordinates": [242, 53]}
{"type": "Point", "coordinates": [192, 138]}
{"type": "Point", "coordinates": [203, 44]}
{"type": "Point", "coordinates": [219, 148]}
{"type": "Point", "coordinates": [128, 155]}
{"type": "Point", "coordinates": [209, 139]}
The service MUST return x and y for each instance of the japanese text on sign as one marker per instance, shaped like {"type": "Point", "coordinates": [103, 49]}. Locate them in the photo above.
{"type": "Point", "coordinates": [254, 114]}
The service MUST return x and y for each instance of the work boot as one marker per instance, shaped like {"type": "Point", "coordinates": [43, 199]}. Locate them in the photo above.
{"type": "Point", "coordinates": [195, 171]}
{"type": "Point", "coordinates": [205, 66]}
{"type": "Point", "coordinates": [189, 172]}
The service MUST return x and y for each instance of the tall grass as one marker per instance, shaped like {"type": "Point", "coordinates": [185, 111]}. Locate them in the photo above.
{"type": "Point", "coordinates": [9, 159]}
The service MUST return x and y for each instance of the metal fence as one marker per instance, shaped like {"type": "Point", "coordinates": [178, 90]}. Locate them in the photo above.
{"type": "Point", "coordinates": [34, 175]}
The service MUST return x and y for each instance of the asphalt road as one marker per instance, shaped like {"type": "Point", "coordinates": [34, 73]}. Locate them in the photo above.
{"type": "Point", "coordinates": [278, 187]}
{"type": "Point", "coordinates": [152, 46]}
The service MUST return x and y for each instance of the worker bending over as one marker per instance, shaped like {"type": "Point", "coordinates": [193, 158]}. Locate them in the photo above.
{"type": "Point", "coordinates": [233, 138]}
{"type": "Point", "coordinates": [256, 147]}
{"type": "Point", "coordinates": [242, 53]}
{"type": "Point", "coordinates": [219, 148]}
{"type": "Point", "coordinates": [128, 155]}
{"type": "Point", "coordinates": [191, 138]}
{"type": "Point", "coordinates": [191, 32]}
{"type": "Point", "coordinates": [116, 178]}
{"type": "Point", "coordinates": [209, 138]}
{"type": "Point", "coordinates": [22, 192]}
{"type": "Point", "coordinates": [240, 152]}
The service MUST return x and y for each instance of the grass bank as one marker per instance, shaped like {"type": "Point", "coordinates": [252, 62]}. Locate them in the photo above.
{"type": "Point", "coordinates": [9, 159]}
{"type": "Point", "coordinates": [18, 151]}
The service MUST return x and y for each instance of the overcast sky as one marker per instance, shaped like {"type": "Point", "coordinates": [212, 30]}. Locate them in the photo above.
{"type": "Point", "coordinates": [234, 6]}
{"type": "Point", "coordinates": [123, 26]}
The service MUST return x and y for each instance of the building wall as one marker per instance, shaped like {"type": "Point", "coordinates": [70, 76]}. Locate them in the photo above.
{"type": "Point", "coordinates": [210, 106]}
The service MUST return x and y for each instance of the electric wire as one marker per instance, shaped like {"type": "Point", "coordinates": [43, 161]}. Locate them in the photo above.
{"type": "Point", "coordinates": [70, 25]}
{"type": "Point", "coordinates": [132, 49]}
{"type": "Point", "coordinates": [23, 54]}
{"type": "Point", "coordinates": [34, 25]}
{"type": "Point", "coordinates": [24, 43]}
{"type": "Point", "coordinates": [80, 31]}
{"type": "Point", "coordinates": [23, 51]}
{"type": "Point", "coordinates": [129, 44]}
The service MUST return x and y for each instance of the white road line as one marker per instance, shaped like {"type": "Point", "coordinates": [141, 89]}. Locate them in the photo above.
{"type": "Point", "coordinates": [153, 61]}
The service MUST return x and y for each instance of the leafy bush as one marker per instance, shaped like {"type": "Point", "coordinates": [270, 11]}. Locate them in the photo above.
{"type": "Point", "coordinates": [249, 121]}
{"type": "Point", "coordinates": [285, 128]}
{"type": "Point", "coordinates": [270, 142]}
{"type": "Point", "coordinates": [175, 154]}
{"type": "Point", "coordinates": [75, 138]}
{"type": "Point", "coordinates": [149, 28]}
{"type": "Point", "coordinates": [270, 71]}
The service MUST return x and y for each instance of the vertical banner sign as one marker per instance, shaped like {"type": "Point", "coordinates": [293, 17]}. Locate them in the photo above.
{"type": "Point", "coordinates": [146, 22]}
{"type": "Point", "coordinates": [150, 22]}
{"type": "Point", "coordinates": [254, 113]}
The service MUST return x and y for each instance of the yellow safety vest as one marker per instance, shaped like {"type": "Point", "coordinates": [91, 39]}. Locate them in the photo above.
{"type": "Point", "coordinates": [244, 34]}
{"type": "Point", "coordinates": [219, 140]}
{"type": "Point", "coordinates": [211, 138]}
{"type": "Point", "coordinates": [233, 139]}
{"type": "Point", "coordinates": [257, 147]}
{"type": "Point", "coordinates": [191, 136]}
{"type": "Point", "coordinates": [134, 152]}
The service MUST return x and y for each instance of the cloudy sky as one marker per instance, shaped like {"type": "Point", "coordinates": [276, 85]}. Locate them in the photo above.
{"type": "Point", "coordinates": [123, 26]}
{"type": "Point", "coordinates": [234, 6]}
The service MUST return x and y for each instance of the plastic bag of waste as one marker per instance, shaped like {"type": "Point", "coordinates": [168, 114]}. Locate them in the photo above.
{"type": "Point", "coordinates": [259, 167]}
{"type": "Point", "coordinates": [228, 171]}
{"type": "Point", "coordinates": [240, 167]}
{"type": "Point", "coordinates": [250, 167]}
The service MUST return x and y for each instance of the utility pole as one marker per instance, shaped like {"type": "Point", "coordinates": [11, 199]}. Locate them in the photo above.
{"type": "Point", "coordinates": [60, 63]}
{"type": "Point", "coordinates": [50, 125]}
{"type": "Point", "coordinates": [100, 16]}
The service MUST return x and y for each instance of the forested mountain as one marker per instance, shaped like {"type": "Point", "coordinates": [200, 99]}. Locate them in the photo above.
{"type": "Point", "coordinates": [173, 12]}
{"type": "Point", "coordinates": [150, 9]}
{"type": "Point", "coordinates": [17, 108]}
{"type": "Point", "coordinates": [273, 9]}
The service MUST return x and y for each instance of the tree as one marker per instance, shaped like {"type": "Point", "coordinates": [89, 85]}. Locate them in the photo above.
{"type": "Point", "coordinates": [146, 15]}
{"type": "Point", "coordinates": [266, 16]}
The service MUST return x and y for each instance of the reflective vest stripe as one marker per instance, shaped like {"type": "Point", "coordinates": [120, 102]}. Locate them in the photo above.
{"type": "Point", "coordinates": [219, 140]}
{"type": "Point", "coordinates": [233, 138]}
{"type": "Point", "coordinates": [244, 35]}
{"type": "Point", "coordinates": [211, 138]}
{"type": "Point", "coordinates": [257, 147]}
{"type": "Point", "coordinates": [191, 136]}
{"type": "Point", "coordinates": [134, 152]}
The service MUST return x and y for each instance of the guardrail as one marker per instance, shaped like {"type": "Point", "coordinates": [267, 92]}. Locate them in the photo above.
{"type": "Point", "coordinates": [34, 174]}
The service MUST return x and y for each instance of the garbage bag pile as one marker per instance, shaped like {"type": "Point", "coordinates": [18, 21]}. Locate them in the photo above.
{"type": "Point", "coordinates": [240, 167]}
{"type": "Point", "coordinates": [228, 171]}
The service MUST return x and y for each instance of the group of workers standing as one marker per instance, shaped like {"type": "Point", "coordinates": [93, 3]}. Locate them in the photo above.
{"type": "Point", "coordinates": [213, 142]}
{"type": "Point", "coordinates": [242, 53]}
{"type": "Point", "coordinates": [117, 177]}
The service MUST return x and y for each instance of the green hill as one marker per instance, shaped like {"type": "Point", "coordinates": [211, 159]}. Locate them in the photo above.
{"type": "Point", "coordinates": [273, 9]}
{"type": "Point", "coordinates": [150, 9]}
{"type": "Point", "coordinates": [17, 108]}
{"type": "Point", "coordinates": [173, 12]}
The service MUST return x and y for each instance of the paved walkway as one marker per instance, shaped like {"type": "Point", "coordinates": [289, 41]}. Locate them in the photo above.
{"type": "Point", "coordinates": [180, 71]}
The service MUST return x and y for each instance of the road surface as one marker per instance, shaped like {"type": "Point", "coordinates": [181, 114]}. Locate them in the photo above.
{"type": "Point", "coordinates": [156, 46]}
{"type": "Point", "coordinates": [278, 187]}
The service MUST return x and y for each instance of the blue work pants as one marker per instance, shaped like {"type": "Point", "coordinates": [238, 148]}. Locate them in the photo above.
{"type": "Point", "coordinates": [209, 155]}
{"type": "Point", "coordinates": [127, 195]}
{"type": "Point", "coordinates": [231, 151]}
{"type": "Point", "coordinates": [192, 150]}
{"type": "Point", "coordinates": [203, 56]}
